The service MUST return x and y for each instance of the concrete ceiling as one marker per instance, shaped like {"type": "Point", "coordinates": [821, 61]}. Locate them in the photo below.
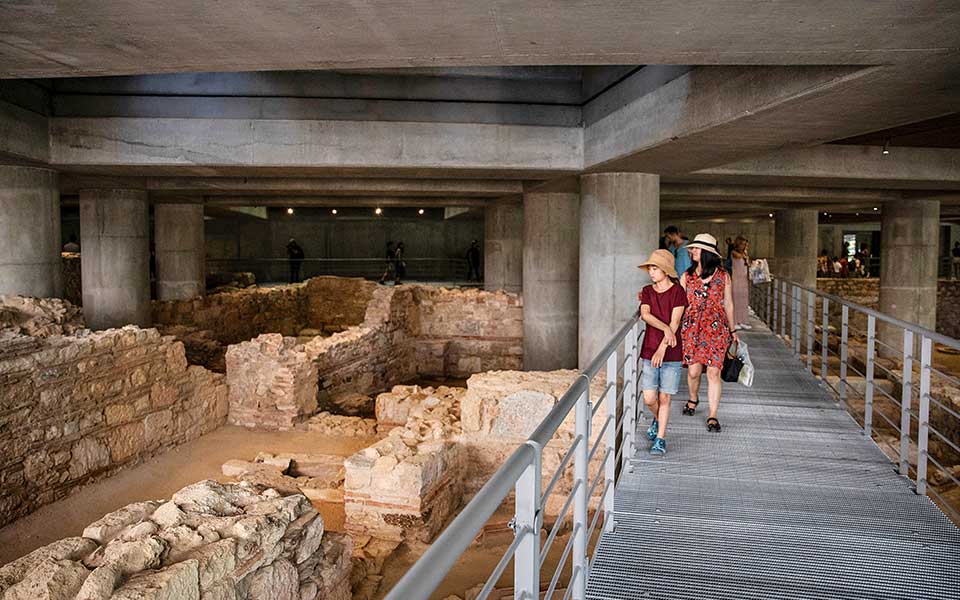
{"type": "Point", "coordinates": [47, 38]}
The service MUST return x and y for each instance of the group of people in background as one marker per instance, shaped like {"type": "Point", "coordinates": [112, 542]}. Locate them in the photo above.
{"type": "Point", "coordinates": [857, 265]}
{"type": "Point", "coordinates": [690, 312]}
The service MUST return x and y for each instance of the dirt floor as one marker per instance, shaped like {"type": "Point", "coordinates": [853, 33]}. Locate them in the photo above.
{"type": "Point", "coordinates": [163, 475]}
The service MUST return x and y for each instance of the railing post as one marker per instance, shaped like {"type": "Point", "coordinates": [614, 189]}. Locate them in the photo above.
{"type": "Point", "coordinates": [610, 437]}
{"type": "Point", "coordinates": [926, 356]}
{"type": "Point", "coordinates": [526, 561]}
{"type": "Point", "coordinates": [796, 321]}
{"type": "Point", "coordinates": [631, 349]}
{"type": "Point", "coordinates": [868, 393]}
{"type": "Point", "coordinates": [811, 309]}
{"type": "Point", "coordinates": [844, 332]}
{"type": "Point", "coordinates": [825, 341]}
{"type": "Point", "coordinates": [783, 309]}
{"type": "Point", "coordinates": [767, 316]}
{"type": "Point", "coordinates": [906, 398]}
{"type": "Point", "coordinates": [581, 477]}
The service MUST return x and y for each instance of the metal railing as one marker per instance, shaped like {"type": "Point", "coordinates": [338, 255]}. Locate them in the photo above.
{"type": "Point", "coordinates": [278, 269]}
{"type": "Point", "coordinates": [835, 326]}
{"type": "Point", "coordinates": [523, 474]}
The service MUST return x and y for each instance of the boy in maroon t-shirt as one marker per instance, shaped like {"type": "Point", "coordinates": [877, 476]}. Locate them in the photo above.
{"type": "Point", "coordinates": [661, 307]}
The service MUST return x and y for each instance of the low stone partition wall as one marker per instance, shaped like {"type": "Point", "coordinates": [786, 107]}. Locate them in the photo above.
{"type": "Point", "coordinates": [78, 408]}
{"type": "Point", "coordinates": [462, 332]}
{"type": "Point", "coordinates": [407, 332]}
{"type": "Point", "coordinates": [209, 541]}
{"type": "Point", "coordinates": [234, 317]}
{"type": "Point", "coordinates": [502, 408]}
{"type": "Point", "coordinates": [336, 303]}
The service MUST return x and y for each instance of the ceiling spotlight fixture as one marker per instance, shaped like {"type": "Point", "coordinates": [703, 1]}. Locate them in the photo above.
{"type": "Point", "coordinates": [420, 212]}
{"type": "Point", "coordinates": [886, 147]}
{"type": "Point", "coordinates": [825, 214]}
{"type": "Point", "coordinates": [333, 212]}
{"type": "Point", "coordinates": [875, 208]}
{"type": "Point", "coordinates": [771, 215]}
{"type": "Point", "coordinates": [289, 211]}
{"type": "Point", "coordinates": [378, 211]}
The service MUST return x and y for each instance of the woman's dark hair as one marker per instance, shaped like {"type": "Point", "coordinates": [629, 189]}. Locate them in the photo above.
{"type": "Point", "coordinates": [709, 263]}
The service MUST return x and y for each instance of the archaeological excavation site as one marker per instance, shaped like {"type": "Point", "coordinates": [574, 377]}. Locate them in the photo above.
{"type": "Point", "coordinates": [301, 441]}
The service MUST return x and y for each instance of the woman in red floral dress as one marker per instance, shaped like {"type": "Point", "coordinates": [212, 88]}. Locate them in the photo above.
{"type": "Point", "coordinates": [707, 327]}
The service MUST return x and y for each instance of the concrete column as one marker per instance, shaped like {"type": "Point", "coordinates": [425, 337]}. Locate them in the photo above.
{"type": "Point", "coordinates": [115, 257]}
{"type": "Point", "coordinates": [795, 245]}
{"type": "Point", "coordinates": [619, 227]}
{"type": "Point", "coordinates": [831, 240]}
{"type": "Point", "coordinates": [178, 235]}
{"type": "Point", "coordinates": [909, 245]}
{"type": "Point", "coordinates": [503, 246]}
{"type": "Point", "coordinates": [551, 265]}
{"type": "Point", "coordinates": [29, 232]}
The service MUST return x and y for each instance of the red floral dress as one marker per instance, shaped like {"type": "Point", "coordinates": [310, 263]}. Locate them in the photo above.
{"type": "Point", "coordinates": [704, 329]}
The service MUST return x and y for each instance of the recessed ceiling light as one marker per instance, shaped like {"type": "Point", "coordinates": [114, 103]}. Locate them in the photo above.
{"type": "Point", "coordinates": [771, 215]}
{"type": "Point", "coordinates": [420, 212]}
{"type": "Point", "coordinates": [875, 208]}
{"type": "Point", "coordinates": [333, 212]}
{"type": "Point", "coordinates": [289, 211]}
{"type": "Point", "coordinates": [378, 211]}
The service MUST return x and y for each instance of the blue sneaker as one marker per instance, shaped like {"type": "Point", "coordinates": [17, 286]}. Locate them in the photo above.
{"type": "Point", "coordinates": [659, 447]}
{"type": "Point", "coordinates": [653, 430]}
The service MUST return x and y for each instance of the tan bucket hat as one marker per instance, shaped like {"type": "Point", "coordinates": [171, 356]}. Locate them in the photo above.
{"type": "Point", "coordinates": [705, 241]}
{"type": "Point", "coordinates": [663, 260]}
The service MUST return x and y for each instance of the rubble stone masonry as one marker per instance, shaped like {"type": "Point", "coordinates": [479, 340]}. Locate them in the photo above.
{"type": "Point", "coordinates": [209, 541]}
{"type": "Point", "coordinates": [407, 332]}
{"type": "Point", "coordinates": [74, 408]}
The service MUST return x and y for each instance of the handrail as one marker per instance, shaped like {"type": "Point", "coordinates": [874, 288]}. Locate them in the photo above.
{"type": "Point", "coordinates": [430, 570]}
{"type": "Point", "coordinates": [781, 301]}
{"type": "Point", "coordinates": [928, 333]}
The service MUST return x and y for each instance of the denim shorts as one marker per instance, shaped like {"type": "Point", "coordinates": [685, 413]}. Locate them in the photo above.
{"type": "Point", "coordinates": [664, 379]}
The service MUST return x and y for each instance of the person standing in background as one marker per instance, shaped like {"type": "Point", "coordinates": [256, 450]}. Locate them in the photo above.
{"type": "Point", "coordinates": [677, 244]}
{"type": "Point", "coordinates": [956, 260]}
{"type": "Point", "coordinates": [473, 262]}
{"type": "Point", "coordinates": [388, 270]}
{"type": "Point", "coordinates": [399, 264]}
{"type": "Point", "coordinates": [740, 276]}
{"type": "Point", "coordinates": [295, 255]}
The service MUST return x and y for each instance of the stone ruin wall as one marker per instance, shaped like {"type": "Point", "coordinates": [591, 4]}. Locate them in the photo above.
{"type": "Point", "coordinates": [208, 324]}
{"type": "Point", "coordinates": [210, 541]}
{"type": "Point", "coordinates": [76, 408]}
{"type": "Point", "coordinates": [407, 332]}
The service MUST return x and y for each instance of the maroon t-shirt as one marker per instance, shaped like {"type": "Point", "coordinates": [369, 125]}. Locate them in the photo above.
{"type": "Point", "coordinates": [661, 306]}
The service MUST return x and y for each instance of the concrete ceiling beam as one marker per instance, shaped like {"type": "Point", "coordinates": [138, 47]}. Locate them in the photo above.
{"type": "Point", "coordinates": [837, 165]}
{"type": "Point", "coordinates": [104, 38]}
{"type": "Point", "coordinates": [371, 145]}
{"type": "Point", "coordinates": [315, 186]}
{"type": "Point", "coordinates": [24, 134]}
{"type": "Point", "coordinates": [343, 201]}
{"type": "Point", "coordinates": [711, 116]}
{"type": "Point", "coordinates": [773, 194]}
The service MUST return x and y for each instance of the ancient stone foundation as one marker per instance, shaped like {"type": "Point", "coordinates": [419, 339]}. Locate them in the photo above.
{"type": "Point", "coordinates": [74, 408]}
{"type": "Point", "coordinates": [209, 541]}
{"type": "Point", "coordinates": [406, 332]}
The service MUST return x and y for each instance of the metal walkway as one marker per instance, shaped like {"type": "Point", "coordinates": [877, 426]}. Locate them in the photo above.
{"type": "Point", "coordinates": [790, 501]}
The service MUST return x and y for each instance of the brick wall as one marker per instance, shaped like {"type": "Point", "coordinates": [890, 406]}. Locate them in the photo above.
{"type": "Point", "coordinates": [78, 408]}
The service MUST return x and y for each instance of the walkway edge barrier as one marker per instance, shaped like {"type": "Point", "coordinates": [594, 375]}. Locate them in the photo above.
{"type": "Point", "coordinates": [522, 472]}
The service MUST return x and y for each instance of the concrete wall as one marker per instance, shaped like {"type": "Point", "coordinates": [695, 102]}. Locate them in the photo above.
{"type": "Point", "coordinates": [759, 232]}
{"type": "Point", "coordinates": [322, 235]}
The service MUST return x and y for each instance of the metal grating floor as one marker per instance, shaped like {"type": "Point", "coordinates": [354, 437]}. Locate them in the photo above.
{"type": "Point", "coordinates": [789, 501]}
